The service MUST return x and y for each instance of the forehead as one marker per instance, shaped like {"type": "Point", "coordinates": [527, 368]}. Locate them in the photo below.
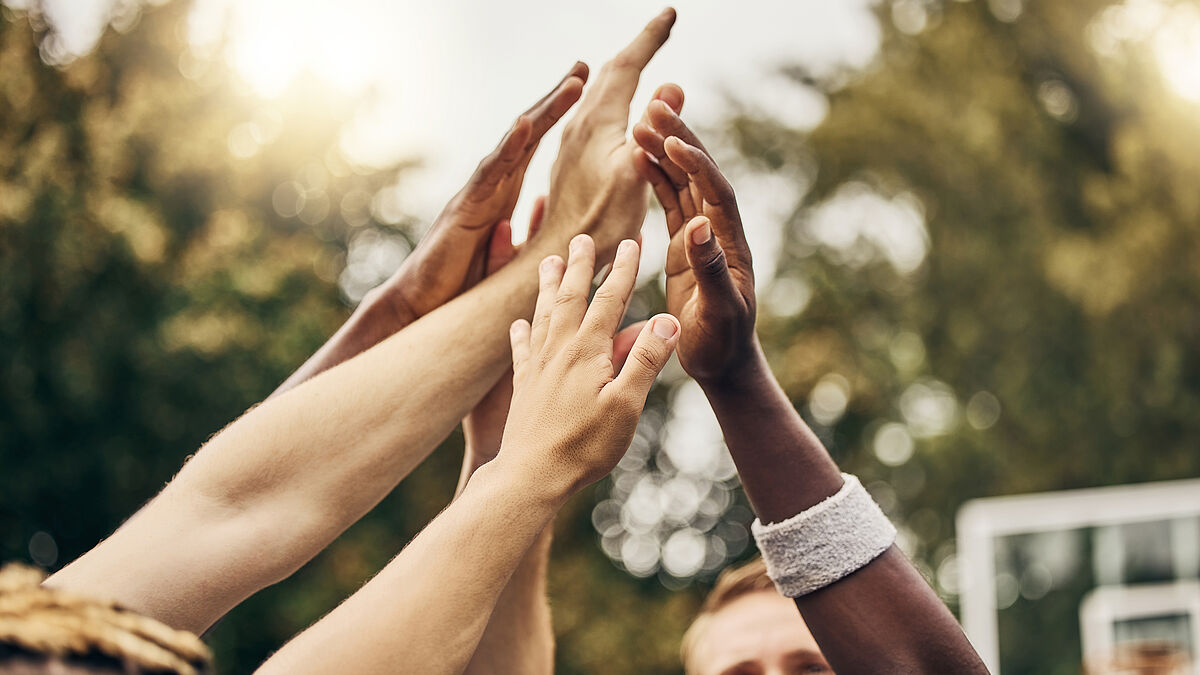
{"type": "Point", "coordinates": [762, 626]}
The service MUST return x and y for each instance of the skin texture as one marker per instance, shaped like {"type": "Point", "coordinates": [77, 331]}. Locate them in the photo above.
{"type": "Point", "coordinates": [883, 618]}
{"type": "Point", "coordinates": [572, 417]}
{"type": "Point", "coordinates": [519, 636]}
{"type": "Point", "coordinates": [593, 179]}
{"type": "Point", "coordinates": [267, 493]}
{"type": "Point", "coordinates": [758, 634]}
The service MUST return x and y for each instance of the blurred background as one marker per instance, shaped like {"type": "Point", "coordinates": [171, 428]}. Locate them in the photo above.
{"type": "Point", "coordinates": [976, 228]}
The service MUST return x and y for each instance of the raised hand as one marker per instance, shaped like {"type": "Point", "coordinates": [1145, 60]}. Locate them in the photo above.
{"type": "Point", "coordinates": [574, 409]}
{"type": "Point", "coordinates": [483, 428]}
{"type": "Point", "coordinates": [453, 255]}
{"type": "Point", "coordinates": [710, 278]}
{"type": "Point", "coordinates": [594, 187]}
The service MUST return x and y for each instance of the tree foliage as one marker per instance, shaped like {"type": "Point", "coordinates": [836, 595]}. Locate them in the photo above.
{"type": "Point", "coordinates": [170, 249]}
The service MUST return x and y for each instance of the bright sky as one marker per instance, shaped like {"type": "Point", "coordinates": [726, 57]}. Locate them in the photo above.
{"type": "Point", "coordinates": [450, 76]}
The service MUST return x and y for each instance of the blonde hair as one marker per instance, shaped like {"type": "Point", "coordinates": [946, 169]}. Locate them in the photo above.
{"type": "Point", "coordinates": [46, 624]}
{"type": "Point", "coordinates": [733, 583]}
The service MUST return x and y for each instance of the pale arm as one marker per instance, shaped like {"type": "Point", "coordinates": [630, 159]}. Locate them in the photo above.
{"type": "Point", "coordinates": [425, 612]}
{"type": "Point", "coordinates": [279, 484]}
{"type": "Point", "coordinates": [573, 415]}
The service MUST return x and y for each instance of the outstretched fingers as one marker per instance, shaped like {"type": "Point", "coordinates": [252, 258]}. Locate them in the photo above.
{"type": "Point", "coordinates": [667, 122]}
{"type": "Point", "coordinates": [614, 88]}
{"type": "Point", "coordinates": [608, 305]}
{"type": "Point", "coordinates": [710, 183]}
{"type": "Point", "coordinates": [550, 274]}
{"type": "Point", "coordinates": [518, 145]}
{"type": "Point", "coordinates": [570, 303]}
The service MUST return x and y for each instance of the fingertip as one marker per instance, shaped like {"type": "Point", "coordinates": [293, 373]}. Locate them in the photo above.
{"type": "Point", "coordinates": [699, 230]}
{"type": "Point", "coordinates": [669, 15]}
{"type": "Point", "coordinates": [670, 94]}
{"type": "Point", "coordinates": [581, 243]}
{"type": "Point", "coordinates": [664, 326]}
{"type": "Point", "coordinates": [550, 264]}
{"type": "Point", "coordinates": [661, 108]}
{"type": "Point", "coordinates": [518, 327]}
{"type": "Point", "coordinates": [680, 152]}
{"type": "Point", "coordinates": [572, 89]}
{"type": "Point", "coordinates": [580, 70]}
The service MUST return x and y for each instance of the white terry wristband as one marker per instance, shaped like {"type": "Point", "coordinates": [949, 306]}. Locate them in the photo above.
{"type": "Point", "coordinates": [826, 542]}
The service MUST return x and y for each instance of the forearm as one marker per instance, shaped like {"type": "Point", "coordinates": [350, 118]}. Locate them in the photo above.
{"type": "Point", "coordinates": [426, 611]}
{"type": "Point", "coordinates": [882, 618]}
{"type": "Point", "coordinates": [519, 637]}
{"type": "Point", "coordinates": [276, 486]}
{"type": "Point", "coordinates": [783, 467]}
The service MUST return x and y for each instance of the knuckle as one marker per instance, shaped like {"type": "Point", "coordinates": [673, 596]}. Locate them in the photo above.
{"type": "Point", "coordinates": [566, 298]}
{"type": "Point", "coordinates": [576, 353]}
{"type": "Point", "coordinates": [713, 264]}
{"type": "Point", "coordinates": [605, 296]}
{"type": "Point", "coordinates": [645, 357]}
{"type": "Point", "coordinates": [621, 61]}
{"type": "Point", "coordinates": [540, 323]}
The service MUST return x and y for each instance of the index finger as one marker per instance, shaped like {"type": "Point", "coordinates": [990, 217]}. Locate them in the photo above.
{"type": "Point", "coordinates": [618, 79]}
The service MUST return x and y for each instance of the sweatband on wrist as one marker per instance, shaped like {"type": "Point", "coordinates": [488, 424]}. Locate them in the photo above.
{"type": "Point", "coordinates": [826, 542]}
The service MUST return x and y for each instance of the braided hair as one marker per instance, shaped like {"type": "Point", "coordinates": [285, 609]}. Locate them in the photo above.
{"type": "Point", "coordinates": [40, 625]}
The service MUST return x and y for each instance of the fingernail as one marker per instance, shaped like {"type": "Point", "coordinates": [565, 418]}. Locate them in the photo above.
{"type": "Point", "coordinates": [702, 234]}
{"type": "Point", "coordinates": [626, 247]}
{"type": "Point", "coordinates": [577, 242]}
{"type": "Point", "coordinates": [547, 265]}
{"type": "Point", "coordinates": [663, 328]}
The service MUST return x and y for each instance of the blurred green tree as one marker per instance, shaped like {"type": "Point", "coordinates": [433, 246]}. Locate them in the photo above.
{"type": "Point", "coordinates": [989, 288]}
{"type": "Point", "coordinates": [170, 249]}
{"type": "Point", "coordinates": [995, 265]}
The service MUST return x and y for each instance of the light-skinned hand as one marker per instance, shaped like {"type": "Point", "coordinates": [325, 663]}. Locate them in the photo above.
{"type": "Point", "coordinates": [594, 187]}
{"type": "Point", "coordinates": [574, 409]}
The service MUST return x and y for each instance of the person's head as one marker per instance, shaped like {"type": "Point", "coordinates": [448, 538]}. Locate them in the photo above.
{"type": "Point", "coordinates": [747, 628]}
{"type": "Point", "coordinates": [44, 630]}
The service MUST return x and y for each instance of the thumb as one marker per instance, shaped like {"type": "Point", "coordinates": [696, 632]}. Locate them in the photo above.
{"type": "Point", "coordinates": [649, 355]}
{"type": "Point", "coordinates": [707, 260]}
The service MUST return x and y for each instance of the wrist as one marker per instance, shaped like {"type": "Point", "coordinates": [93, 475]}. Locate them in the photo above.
{"type": "Point", "coordinates": [525, 484]}
{"type": "Point", "coordinates": [743, 375]}
{"type": "Point", "coordinates": [378, 316]}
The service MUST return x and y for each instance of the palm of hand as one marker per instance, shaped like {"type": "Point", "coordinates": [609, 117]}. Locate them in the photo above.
{"type": "Point", "coordinates": [713, 333]}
